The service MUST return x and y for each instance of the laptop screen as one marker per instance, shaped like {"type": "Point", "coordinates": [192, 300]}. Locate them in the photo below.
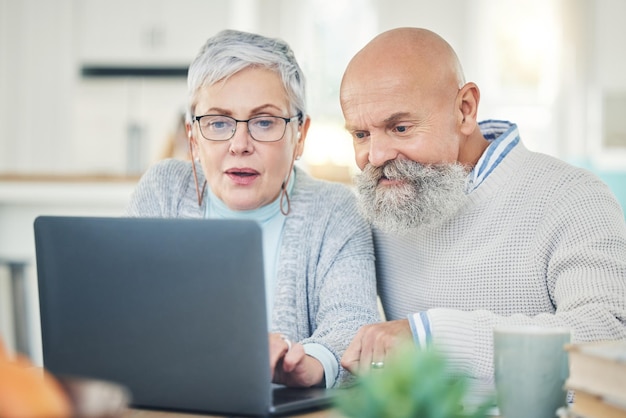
{"type": "Point", "coordinates": [174, 309]}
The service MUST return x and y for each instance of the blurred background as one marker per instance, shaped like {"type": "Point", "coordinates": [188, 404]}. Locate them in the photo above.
{"type": "Point", "coordinates": [91, 94]}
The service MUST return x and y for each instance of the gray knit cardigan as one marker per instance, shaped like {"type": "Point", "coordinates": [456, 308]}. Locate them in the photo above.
{"type": "Point", "coordinates": [325, 285]}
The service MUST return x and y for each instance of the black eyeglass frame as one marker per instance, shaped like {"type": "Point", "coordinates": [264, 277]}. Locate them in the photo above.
{"type": "Point", "coordinates": [237, 121]}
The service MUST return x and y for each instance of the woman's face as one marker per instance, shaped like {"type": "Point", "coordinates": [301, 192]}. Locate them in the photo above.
{"type": "Point", "coordinates": [244, 173]}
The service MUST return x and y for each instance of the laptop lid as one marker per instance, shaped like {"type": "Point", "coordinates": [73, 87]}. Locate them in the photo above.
{"type": "Point", "coordinates": [174, 309]}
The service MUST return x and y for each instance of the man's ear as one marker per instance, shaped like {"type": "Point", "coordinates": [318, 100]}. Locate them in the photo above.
{"type": "Point", "coordinates": [468, 99]}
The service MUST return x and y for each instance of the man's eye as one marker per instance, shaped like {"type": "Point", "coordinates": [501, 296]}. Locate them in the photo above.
{"type": "Point", "coordinates": [402, 131]}
{"type": "Point", "coordinates": [360, 135]}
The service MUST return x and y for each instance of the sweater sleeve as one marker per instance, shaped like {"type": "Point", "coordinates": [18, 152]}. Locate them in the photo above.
{"type": "Point", "coordinates": [346, 299]}
{"type": "Point", "coordinates": [336, 290]}
{"type": "Point", "coordinates": [581, 245]}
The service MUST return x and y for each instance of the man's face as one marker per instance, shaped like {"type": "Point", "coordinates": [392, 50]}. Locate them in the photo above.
{"type": "Point", "coordinates": [407, 143]}
{"type": "Point", "coordinates": [400, 116]}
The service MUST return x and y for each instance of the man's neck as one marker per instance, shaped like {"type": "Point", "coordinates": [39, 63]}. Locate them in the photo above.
{"type": "Point", "coordinates": [473, 148]}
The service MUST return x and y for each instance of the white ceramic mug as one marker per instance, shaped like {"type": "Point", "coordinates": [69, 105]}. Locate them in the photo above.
{"type": "Point", "coordinates": [531, 367]}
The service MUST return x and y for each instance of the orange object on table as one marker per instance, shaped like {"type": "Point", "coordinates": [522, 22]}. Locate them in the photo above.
{"type": "Point", "coordinates": [27, 391]}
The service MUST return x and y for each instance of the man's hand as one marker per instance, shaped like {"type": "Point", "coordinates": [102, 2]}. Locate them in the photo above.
{"type": "Point", "coordinates": [291, 366]}
{"type": "Point", "coordinates": [373, 343]}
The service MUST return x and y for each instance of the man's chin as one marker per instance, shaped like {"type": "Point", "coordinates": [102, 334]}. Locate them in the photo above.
{"type": "Point", "coordinates": [391, 223]}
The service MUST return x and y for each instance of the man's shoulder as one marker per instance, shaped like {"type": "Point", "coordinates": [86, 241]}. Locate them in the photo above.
{"type": "Point", "coordinates": [547, 181]}
{"type": "Point", "coordinates": [552, 169]}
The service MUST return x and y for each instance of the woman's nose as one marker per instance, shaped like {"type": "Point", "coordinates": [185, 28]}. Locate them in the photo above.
{"type": "Point", "coordinates": [242, 141]}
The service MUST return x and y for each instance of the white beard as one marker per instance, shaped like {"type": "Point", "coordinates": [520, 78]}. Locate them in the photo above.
{"type": "Point", "coordinates": [426, 194]}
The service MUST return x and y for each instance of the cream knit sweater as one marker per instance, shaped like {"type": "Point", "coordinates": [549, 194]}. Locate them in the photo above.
{"type": "Point", "coordinates": [539, 242]}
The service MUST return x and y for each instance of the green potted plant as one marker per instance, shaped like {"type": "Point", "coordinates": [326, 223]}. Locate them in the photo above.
{"type": "Point", "coordinates": [413, 383]}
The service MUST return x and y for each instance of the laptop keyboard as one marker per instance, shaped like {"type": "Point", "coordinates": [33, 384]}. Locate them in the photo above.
{"type": "Point", "coordinates": [284, 395]}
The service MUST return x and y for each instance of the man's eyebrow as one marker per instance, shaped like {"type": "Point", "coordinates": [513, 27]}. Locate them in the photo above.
{"type": "Point", "coordinates": [397, 116]}
{"type": "Point", "coordinates": [350, 128]}
{"type": "Point", "coordinates": [390, 119]}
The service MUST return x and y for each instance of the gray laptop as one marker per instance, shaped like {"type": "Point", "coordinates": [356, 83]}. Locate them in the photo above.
{"type": "Point", "coordinates": [174, 309]}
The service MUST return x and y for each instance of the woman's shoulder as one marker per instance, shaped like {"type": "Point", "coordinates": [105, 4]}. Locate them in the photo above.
{"type": "Point", "coordinates": [168, 173]}
{"type": "Point", "coordinates": [169, 168]}
{"type": "Point", "coordinates": [321, 190]}
{"type": "Point", "coordinates": [163, 189]}
{"type": "Point", "coordinates": [323, 199]}
{"type": "Point", "coordinates": [327, 212]}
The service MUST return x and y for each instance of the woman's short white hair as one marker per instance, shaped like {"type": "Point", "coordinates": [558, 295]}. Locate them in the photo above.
{"type": "Point", "coordinates": [231, 51]}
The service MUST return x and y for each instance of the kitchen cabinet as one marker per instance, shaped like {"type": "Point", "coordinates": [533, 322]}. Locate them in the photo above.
{"type": "Point", "coordinates": [121, 126]}
{"type": "Point", "coordinates": [158, 33]}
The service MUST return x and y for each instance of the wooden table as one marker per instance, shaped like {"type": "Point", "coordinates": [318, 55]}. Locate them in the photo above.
{"type": "Point", "coordinates": [144, 413]}
{"type": "Point", "coordinates": [137, 413]}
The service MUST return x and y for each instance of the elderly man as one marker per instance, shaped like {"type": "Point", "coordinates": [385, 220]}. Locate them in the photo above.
{"type": "Point", "coordinates": [472, 229]}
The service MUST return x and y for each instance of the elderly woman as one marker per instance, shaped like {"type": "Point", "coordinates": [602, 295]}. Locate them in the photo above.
{"type": "Point", "coordinates": [247, 127]}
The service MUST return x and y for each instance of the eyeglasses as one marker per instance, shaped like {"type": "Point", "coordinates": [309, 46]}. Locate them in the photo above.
{"type": "Point", "coordinates": [261, 128]}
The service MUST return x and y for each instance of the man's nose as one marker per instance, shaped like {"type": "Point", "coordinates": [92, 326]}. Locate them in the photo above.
{"type": "Point", "coordinates": [381, 150]}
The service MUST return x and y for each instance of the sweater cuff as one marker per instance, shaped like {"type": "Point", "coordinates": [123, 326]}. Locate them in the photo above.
{"type": "Point", "coordinates": [455, 334]}
{"type": "Point", "coordinates": [328, 360]}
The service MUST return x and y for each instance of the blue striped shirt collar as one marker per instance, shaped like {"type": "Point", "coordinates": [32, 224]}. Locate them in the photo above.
{"type": "Point", "coordinates": [503, 137]}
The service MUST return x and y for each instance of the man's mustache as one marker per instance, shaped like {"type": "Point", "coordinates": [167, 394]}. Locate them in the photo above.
{"type": "Point", "coordinates": [390, 170]}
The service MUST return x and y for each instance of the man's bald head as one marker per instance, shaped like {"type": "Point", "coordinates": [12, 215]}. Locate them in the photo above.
{"type": "Point", "coordinates": [417, 53]}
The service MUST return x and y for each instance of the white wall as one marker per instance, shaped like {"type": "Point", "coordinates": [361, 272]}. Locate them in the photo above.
{"type": "Point", "coordinates": [37, 76]}
{"type": "Point", "coordinates": [82, 124]}
{"type": "Point", "coordinates": [54, 121]}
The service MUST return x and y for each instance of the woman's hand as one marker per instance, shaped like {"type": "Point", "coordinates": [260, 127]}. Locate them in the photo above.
{"type": "Point", "coordinates": [291, 366]}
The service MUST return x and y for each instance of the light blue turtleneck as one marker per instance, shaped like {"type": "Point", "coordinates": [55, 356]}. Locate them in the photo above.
{"type": "Point", "coordinates": [271, 221]}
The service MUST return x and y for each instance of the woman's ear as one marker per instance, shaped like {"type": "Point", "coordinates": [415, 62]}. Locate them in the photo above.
{"type": "Point", "coordinates": [303, 129]}
{"type": "Point", "coordinates": [468, 99]}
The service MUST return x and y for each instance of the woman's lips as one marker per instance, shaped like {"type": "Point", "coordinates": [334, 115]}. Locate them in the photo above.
{"type": "Point", "coordinates": [242, 176]}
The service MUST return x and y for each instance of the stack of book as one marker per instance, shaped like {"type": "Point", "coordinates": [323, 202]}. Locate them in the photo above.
{"type": "Point", "coordinates": [598, 378]}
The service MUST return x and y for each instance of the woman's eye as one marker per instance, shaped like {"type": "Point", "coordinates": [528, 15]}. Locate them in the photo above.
{"type": "Point", "coordinates": [264, 123]}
